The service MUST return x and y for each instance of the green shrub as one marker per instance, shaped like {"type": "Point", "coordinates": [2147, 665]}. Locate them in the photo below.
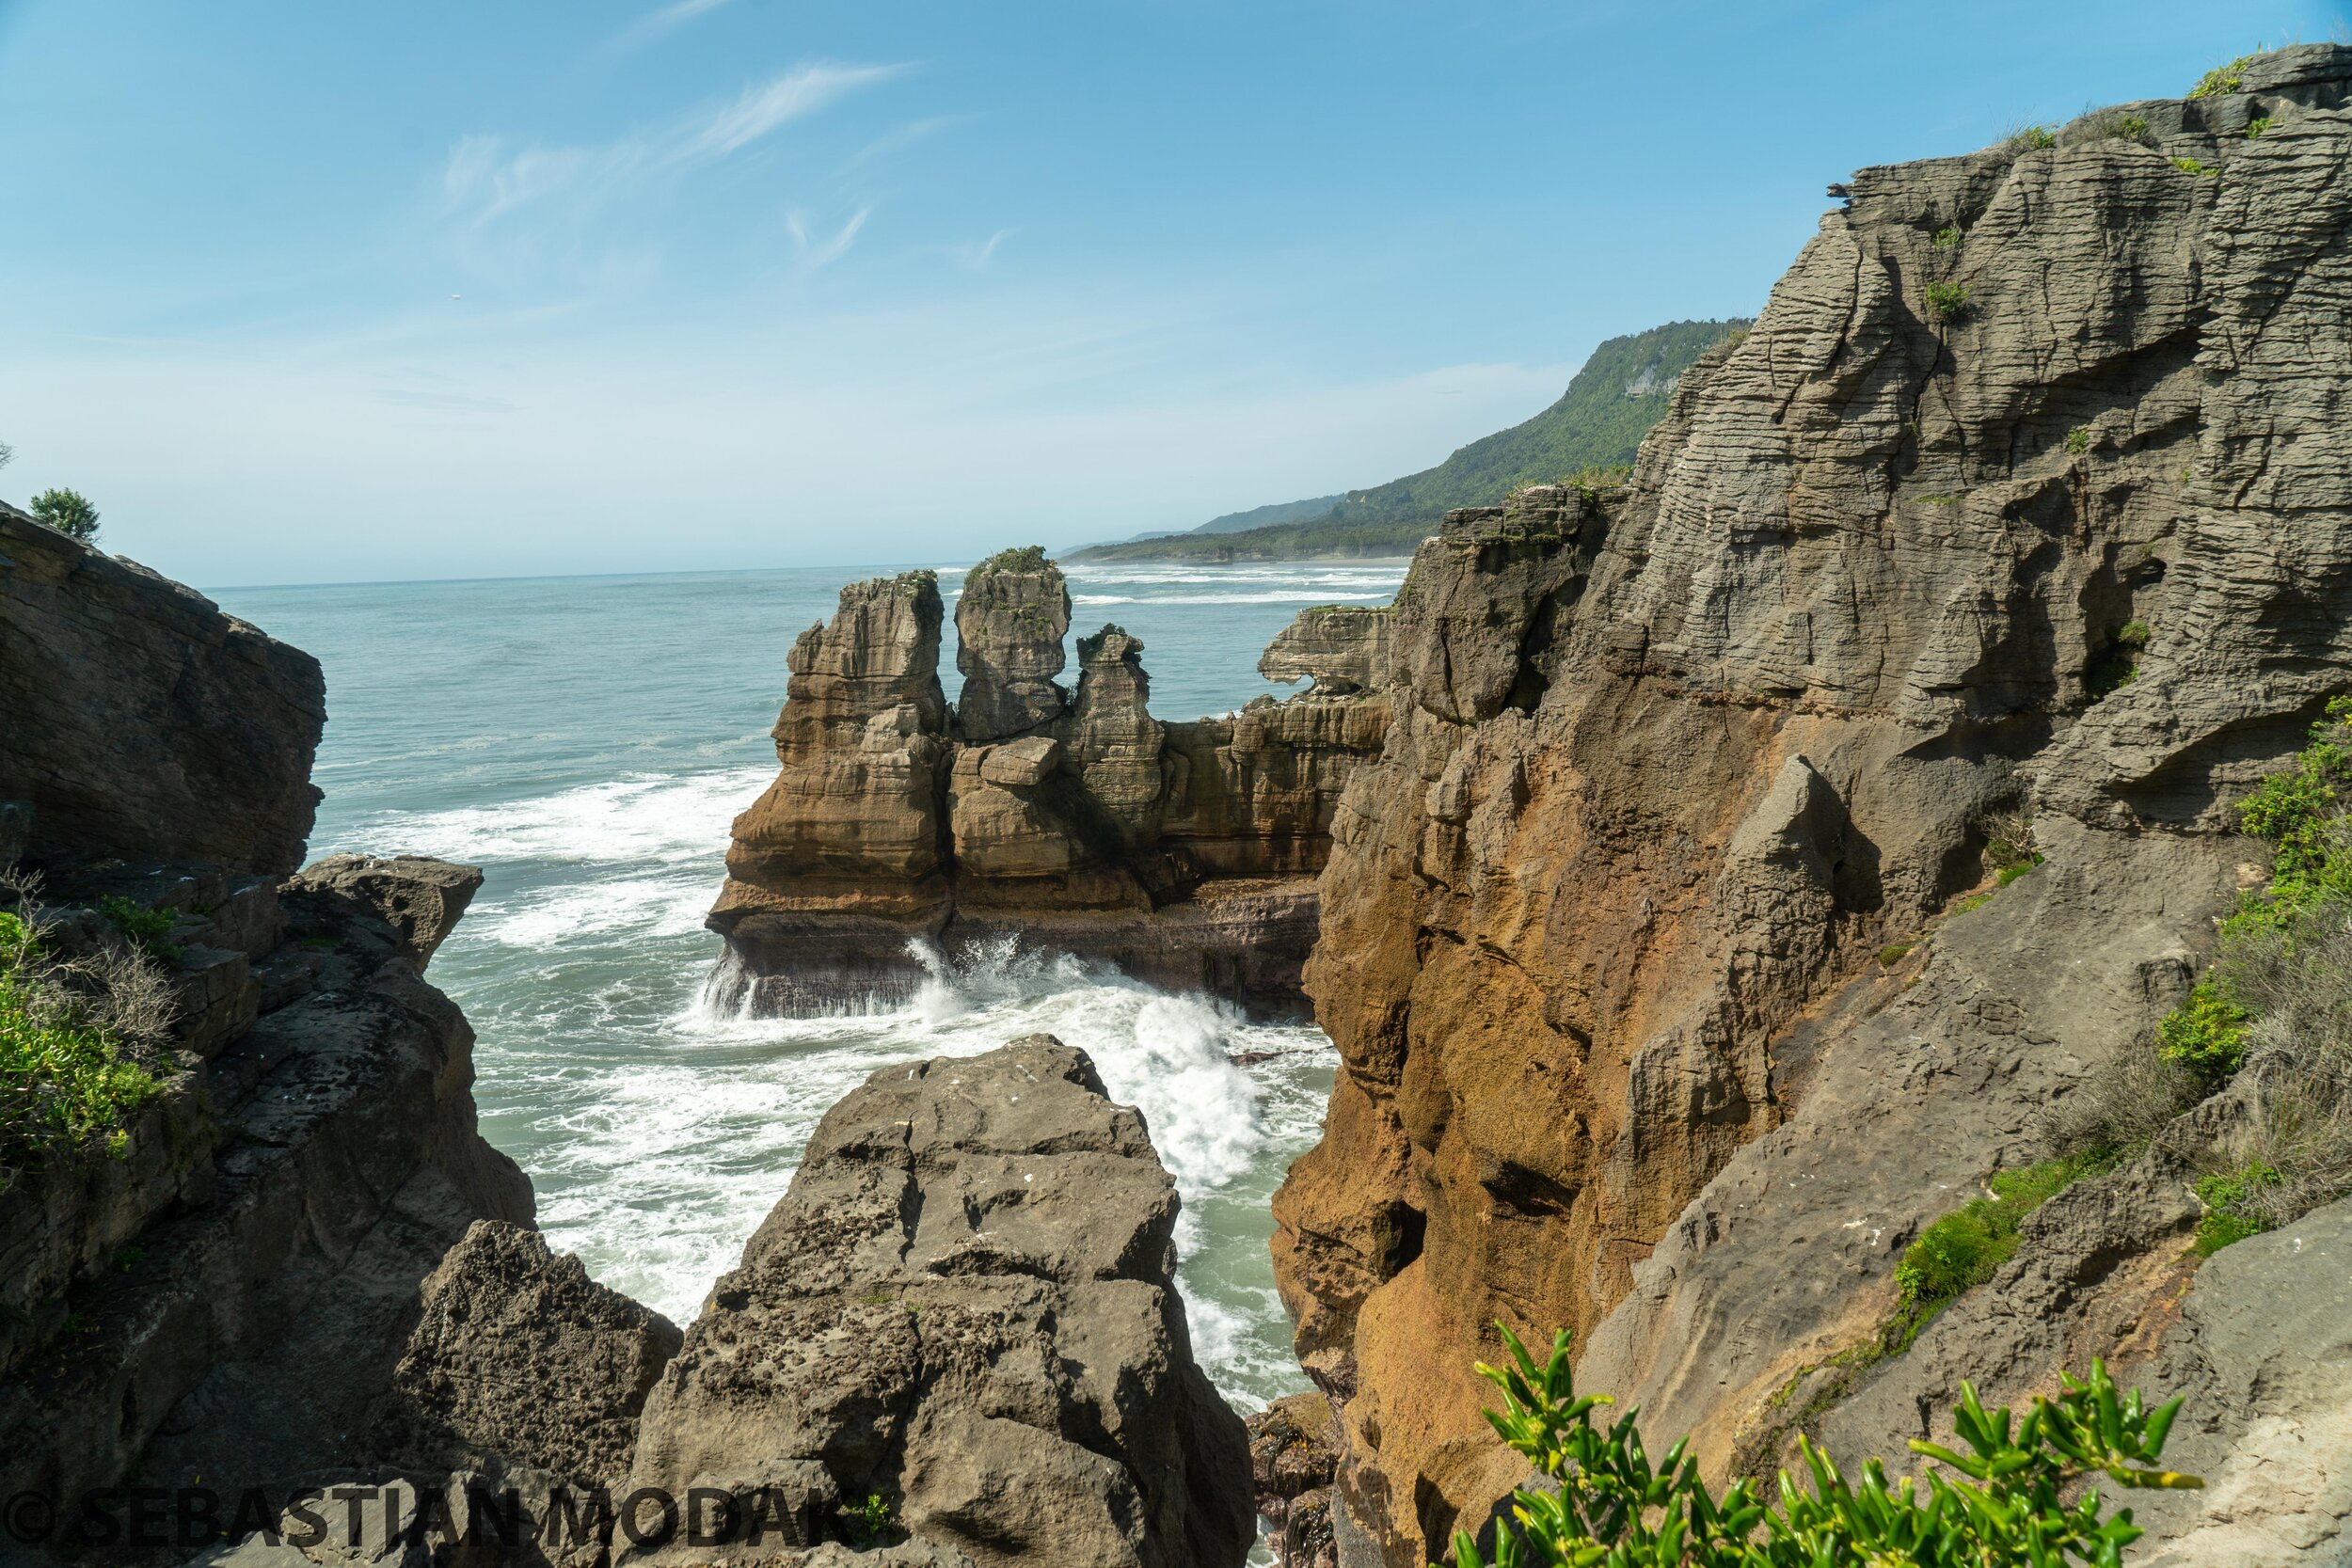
{"type": "Point", "coordinates": [2009, 874]}
{"type": "Point", "coordinates": [64, 1083]}
{"type": "Point", "coordinates": [1968, 1246]}
{"type": "Point", "coordinates": [2016, 1497]}
{"type": "Point", "coordinates": [2030, 138]}
{"type": "Point", "coordinates": [2205, 1034]}
{"type": "Point", "coordinates": [869, 1522]}
{"type": "Point", "coordinates": [2133, 635]}
{"type": "Point", "coordinates": [2222, 79]}
{"type": "Point", "coordinates": [2297, 811]}
{"type": "Point", "coordinates": [1947, 237]}
{"type": "Point", "coordinates": [1895, 952]}
{"type": "Point", "coordinates": [1597, 480]}
{"type": "Point", "coordinates": [2078, 439]}
{"type": "Point", "coordinates": [2225, 1195]}
{"type": "Point", "coordinates": [2256, 126]}
{"type": "Point", "coordinates": [145, 928]}
{"type": "Point", "coordinates": [2190, 165]}
{"type": "Point", "coordinates": [2129, 128]}
{"type": "Point", "coordinates": [66, 510]}
{"type": "Point", "coordinates": [1947, 300]}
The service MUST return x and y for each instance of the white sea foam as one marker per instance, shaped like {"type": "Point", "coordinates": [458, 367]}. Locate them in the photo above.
{"type": "Point", "coordinates": [1308, 594]}
{"type": "Point", "coordinates": [660, 1129]}
{"type": "Point", "coordinates": [656, 1169]}
{"type": "Point", "coordinates": [660, 819]}
{"type": "Point", "coordinates": [548, 918]}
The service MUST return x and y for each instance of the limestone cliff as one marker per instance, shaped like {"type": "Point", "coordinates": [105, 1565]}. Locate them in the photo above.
{"type": "Point", "coordinates": [1671, 764]}
{"type": "Point", "coordinates": [1183, 852]}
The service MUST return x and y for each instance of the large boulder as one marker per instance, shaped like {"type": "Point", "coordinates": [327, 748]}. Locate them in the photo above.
{"type": "Point", "coordinates": [964, 1308]}
{"type": "Point", "coordinates": [421, 898]}
{"type": "Point", "coordinates": [520, 1362]}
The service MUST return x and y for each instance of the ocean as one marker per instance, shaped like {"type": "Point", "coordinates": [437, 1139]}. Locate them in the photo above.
{"type": "Point", "coordinates": [587, 740]}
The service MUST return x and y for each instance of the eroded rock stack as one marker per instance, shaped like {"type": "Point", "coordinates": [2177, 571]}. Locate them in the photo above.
{"type": "Point", "coordinates": [1184, 852]}
{"type": "Point", "coordinates": [1966, 526]}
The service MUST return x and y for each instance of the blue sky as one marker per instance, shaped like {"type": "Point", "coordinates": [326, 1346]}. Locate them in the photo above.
{"type": "Point", "coordinates": [304, 292]}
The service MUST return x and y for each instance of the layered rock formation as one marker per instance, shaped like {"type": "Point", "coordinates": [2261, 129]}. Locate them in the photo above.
{"type": "Point", "coordinates": [1670, 765]}
{"type": "Point", "coordinates": [1183, 852]}
{"type": "Point", "coordinates": [226, 1294]}
{"type": "Point", "coordinates": [964, 1307]}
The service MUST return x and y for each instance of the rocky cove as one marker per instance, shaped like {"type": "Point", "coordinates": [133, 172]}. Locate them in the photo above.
{"type": "Point", "coordinates": [1709, 881]}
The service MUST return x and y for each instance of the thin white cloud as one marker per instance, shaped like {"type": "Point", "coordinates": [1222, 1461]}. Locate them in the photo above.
{"type": "Point", "coordinates": [485, 177]}
{"type": "Point", "coordinates": [977, 255]}
{"type": "Point", "coordinates": [798, 92]}
{"type": "Point", "coordinates": [818, 253]}
{"type": "Point", "coordinates": [654, 25]}
{"type": "Point", "coordinates": [892, 140]}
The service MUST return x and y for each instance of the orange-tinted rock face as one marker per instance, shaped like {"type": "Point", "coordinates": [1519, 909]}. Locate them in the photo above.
{"type": "Point", "coordinates": [1669, 765]}
{"type": "Point", "coordinates": [1184, 852]}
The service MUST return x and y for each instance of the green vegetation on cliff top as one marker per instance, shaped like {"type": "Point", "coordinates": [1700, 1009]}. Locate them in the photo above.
{"type": "Point", "coordinates": [1598, 423]}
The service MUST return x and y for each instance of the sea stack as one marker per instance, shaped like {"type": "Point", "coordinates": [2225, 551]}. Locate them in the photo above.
{"type": "Point", "coordinates": [1186, 853]}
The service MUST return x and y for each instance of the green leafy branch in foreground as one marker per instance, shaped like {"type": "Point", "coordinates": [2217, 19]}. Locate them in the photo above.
{"type": "Point", "coordinates": [1617, 1508]}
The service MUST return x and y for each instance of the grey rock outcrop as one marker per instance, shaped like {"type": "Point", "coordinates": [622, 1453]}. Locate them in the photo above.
{"type": "Point", "coordinates": [520, 1362]}
{"type": "Point", "coordinates": [143, 722]}
{"type": "Point", "coordinates": [965, 1305]}
{"type": "Point", "coordinates": [419, 898]}
{"type": "Point", "coordinates": [1342, 649]}
{"type": "Point", "coordinates": [1962, 524]}
{"type": "Point", "coordinates": [1293, 1458]}
{"type": "Point", "coordinates": [230, 1298]}
{"type": "Point", "coordinates": [1009, 627]}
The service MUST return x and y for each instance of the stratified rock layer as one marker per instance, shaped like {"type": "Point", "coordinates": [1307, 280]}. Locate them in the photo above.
{"type": "Point", "coordinates": [965, 1305]}
{"type": "Point", "coordinates": [1184, 853]}
{"type": "Point", "coordinates": [1671, 764]}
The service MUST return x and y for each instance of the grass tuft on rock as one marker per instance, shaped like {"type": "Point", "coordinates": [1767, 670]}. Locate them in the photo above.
{"type": "Point", "coordinates": [2223, 80]}
{"type": "Point", "coordinates": [1968, 1246]}
{"type": "Point", "coordinates": [1021, 557]}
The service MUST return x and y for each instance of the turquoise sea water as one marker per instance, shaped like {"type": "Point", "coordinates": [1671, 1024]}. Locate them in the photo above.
{"type": "Point", "coordinates": [587, 740]}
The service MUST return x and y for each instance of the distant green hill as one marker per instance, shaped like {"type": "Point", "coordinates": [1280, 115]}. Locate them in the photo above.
{"type": "Point", "coordinates": [1599, 422]}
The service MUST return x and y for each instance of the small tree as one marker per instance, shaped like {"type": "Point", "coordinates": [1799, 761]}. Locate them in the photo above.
{"type": "Point", "coordinates": [66, 510]}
